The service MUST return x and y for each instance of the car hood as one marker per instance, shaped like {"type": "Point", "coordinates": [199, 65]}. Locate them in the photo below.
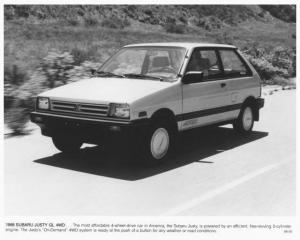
{"type": "Point", "coordinates": [106, 90]}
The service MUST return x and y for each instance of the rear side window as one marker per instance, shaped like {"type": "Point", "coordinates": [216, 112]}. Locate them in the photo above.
{"type": "Point", "coordinates": [207, 62]}
{"type": "Point", "coordinates": [233, 65]}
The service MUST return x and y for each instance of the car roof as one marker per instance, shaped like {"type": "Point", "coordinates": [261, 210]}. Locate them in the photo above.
{"type": "Point", "coordinates": [181, 44]}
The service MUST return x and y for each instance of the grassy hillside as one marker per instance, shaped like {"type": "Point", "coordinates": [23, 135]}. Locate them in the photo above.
{"type": "Point", "coordinates": [36, 36]}
{"type": "Point", "coordinates": [27, 43]}
{"type": "Point", "coordinates": [32, 31]}
{"type": "Point", "coordinates": [153, 14]}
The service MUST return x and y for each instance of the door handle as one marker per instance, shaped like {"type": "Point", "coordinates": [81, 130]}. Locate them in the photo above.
{"type": "Point", "coordinates": [223, 85]}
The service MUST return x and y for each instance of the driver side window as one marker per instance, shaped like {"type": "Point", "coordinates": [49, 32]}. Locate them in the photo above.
{"type": "Point", "coordinates": [207, 62]}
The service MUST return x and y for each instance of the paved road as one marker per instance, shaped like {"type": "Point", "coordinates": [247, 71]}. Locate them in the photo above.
{"type": "Point", "coordinates": [214, 173]}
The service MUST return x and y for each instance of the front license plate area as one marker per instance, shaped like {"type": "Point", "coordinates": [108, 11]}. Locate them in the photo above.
{"type": "Point", "coordinates": [72, 124]}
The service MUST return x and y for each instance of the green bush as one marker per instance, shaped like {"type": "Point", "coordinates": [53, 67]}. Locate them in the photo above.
{"type": "Point", "coordinates": [183, 19]}
{"type": "Point", "coordinates": [278, 80]}
{"type": "Point", "coordinates": [225, 38]}
{"type": "Point", "coordinates": [73, 21]}
{"type": "Point", "coordinates": [55, 67]}
{"type": "Point", "coordinates": [82, 71]}
{"type": "Point", "coordinates": [284, 58]}
{"type": "Point", "coordinates": [91, 21]}
{"type": "Point", "coordinates": [270, 63]}
{"type": "Point", "coordinates": [17, 115]}
{"type": "Point", "coordinates": [9, 12]}
{"type": "Point", "coordinates": [266, 69]}
{"type": "Point", "coordinates": [209, 23]}
{"type": "Point", "coordinates": [21, 102]}
{"type": "Point", "coordinates": [17, 118]}
{"type": "Point", "coordinates": [80, 55]}
{"type": "Point", "coordinates": [172, 27]}
{"type": "Point", "coordinates": [115, 22]}
{"type": "Point", "coordinates": [14, 76]}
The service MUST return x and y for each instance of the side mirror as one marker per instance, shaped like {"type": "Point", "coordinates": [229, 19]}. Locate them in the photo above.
{"type": "Point", "coordinates": [192, 77]}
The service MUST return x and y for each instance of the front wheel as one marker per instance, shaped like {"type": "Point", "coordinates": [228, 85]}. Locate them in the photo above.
{"type": "Point", "coordinates": [244, 123]}
{"type": "Point", "coordinates": [67, 144]}
{"type": "Point", "coordinates": [159, 143]}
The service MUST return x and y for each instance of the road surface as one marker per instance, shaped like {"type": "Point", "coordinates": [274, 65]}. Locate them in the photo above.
{"type": "Point", "coordinates": [215, 172]}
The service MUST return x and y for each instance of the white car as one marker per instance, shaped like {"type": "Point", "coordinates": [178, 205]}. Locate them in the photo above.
{"type": "Point", "coordinates": [147, 93]}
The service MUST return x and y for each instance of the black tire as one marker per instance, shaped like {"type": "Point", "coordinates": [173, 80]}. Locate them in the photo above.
{"type": "Point", "coordinates": [159, 142]}
{"type": "Point", "coordinates": [244, 123]}
{"type": "Point", "coordinates": [66, 143]}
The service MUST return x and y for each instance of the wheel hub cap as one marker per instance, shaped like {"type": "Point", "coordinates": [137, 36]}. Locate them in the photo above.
{"type": "Point", "coordinates": [247, 118]}
{"type": "Point", "coordinates": [159, 143]}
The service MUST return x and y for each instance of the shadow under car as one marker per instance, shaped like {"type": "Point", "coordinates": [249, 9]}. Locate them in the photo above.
{"type": "Point", "coordinates": [193, 146]}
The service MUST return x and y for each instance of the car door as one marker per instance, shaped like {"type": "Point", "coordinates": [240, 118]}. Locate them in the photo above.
{"type": "Point", "coordinates": [205, 102]}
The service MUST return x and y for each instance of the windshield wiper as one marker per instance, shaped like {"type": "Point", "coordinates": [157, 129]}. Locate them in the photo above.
{"type": "Point", "coordinates": [142, 76]}
{"type": "Point", "coordinates": [108, 74]}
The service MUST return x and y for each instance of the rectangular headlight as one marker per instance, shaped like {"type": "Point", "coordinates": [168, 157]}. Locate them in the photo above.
{"type": "Point", "coordinates": [119, 110]}
{"type": "Point", "coordinates": [43, 103]}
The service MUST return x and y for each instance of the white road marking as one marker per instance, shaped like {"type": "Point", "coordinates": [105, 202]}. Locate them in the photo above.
{"type": "Point", "coordinates": [211, 194]}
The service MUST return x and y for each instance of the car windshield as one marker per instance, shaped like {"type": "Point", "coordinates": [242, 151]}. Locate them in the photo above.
{"type": "Point", "coordinates": [153, 63]}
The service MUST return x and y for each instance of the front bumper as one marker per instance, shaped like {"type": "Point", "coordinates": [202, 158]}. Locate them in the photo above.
{"type": "Point", "coordinates": [90, 130]}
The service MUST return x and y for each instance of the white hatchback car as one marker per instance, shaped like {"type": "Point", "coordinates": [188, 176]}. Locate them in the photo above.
{"type": "Point", "coordinates": [147, 93]}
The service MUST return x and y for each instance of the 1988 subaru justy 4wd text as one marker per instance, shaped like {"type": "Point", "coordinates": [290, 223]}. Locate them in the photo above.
{"type": "Point", "coordinates": [147, 93]}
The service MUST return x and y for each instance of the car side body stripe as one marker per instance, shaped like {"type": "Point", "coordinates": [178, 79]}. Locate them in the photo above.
{"type": "Point", "coordinates": [206, 112]}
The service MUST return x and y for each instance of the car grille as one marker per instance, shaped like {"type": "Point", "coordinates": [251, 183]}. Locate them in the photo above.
{"type": "Point", "coordinates": [79, 108]}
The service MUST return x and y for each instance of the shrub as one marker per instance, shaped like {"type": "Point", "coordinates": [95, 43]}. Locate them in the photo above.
{"type": "Point", "coordinates": [126, 22]}
{"type": "Point", "coordinates": [17, 118]}
{"type": "Point", "coordinates": [17, 115]}
{"type": "Point", "coordinates": [91, 21]}
{"type": "Point", "coordinates": [171, 27]}
{"type": "Point", "coordinates": [83, 71]}
{"type": "Point", "coordinates": [282, 58]}
{"type": "Point", "coordinates": [273, 65]}
{"type": "Point", "coordinates": [115, 22]}
{"type": "Point", "coordinates": [55, 67]}
{"type": "Point", "coordinates": [9, 12]}
{"type": "Point", "coordinates": [148, 12]}
{"type": "Point", "coordinates": [80, 55]}
{"type": "Point", "coordinates": [278, 80]}
{"type": "Point", "coordinates": [209, 23]}
{"type": "Point", "coordinates": [21, 103]}
{"type": "Point", "coordinates": [225, 38]}
{"type": "Point", "coordinates": [183, 19]}
{"type": "Point", "coordinates": [265, 69]}
{"type": "Point", "coordinates": [14, 76]}
{"type": "Point", "coordinates": [73, 21]}
{"type": "Point", "coordinates": [193, 20]}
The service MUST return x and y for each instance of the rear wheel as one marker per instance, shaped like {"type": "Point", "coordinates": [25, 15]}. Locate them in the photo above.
{"type": "Point", "coordinates": [244, 123]}
{"type": "Point", "coordinates": [67, 143]}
